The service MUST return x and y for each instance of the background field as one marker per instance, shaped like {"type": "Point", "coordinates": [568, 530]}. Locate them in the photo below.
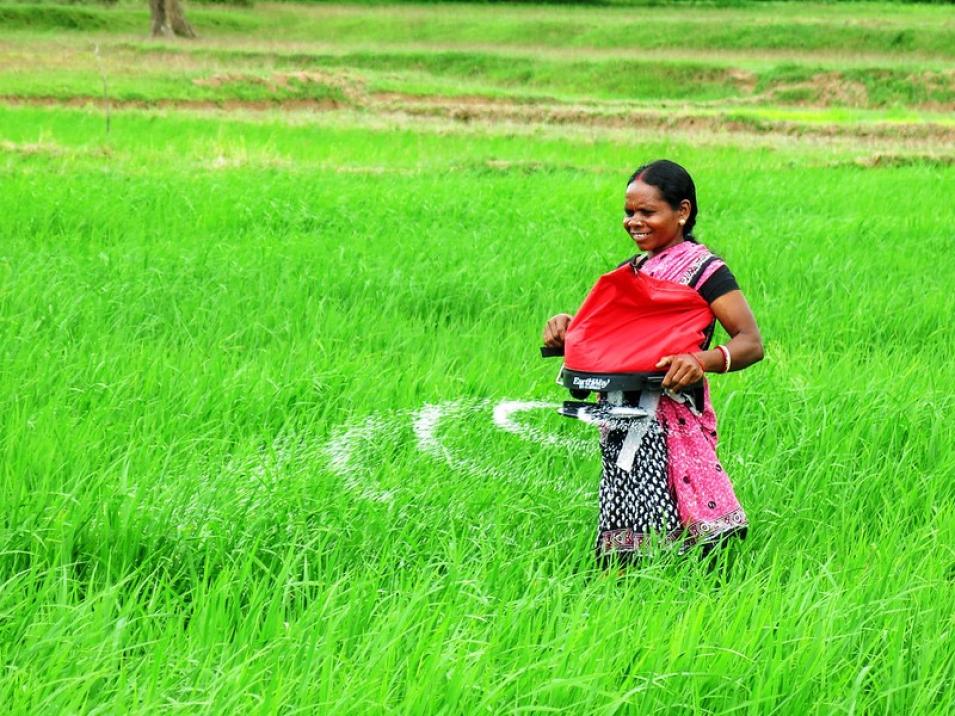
{"type": "Point", "coordinates": [258, 304]}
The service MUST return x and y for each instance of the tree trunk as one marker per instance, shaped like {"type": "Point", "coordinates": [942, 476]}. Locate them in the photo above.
{"type": "Point", "coordinates": [177, 19]}
{"type": "Point", "coordinates": [157, 16]}
{"type": "Point", "coordinates": [168, 19]}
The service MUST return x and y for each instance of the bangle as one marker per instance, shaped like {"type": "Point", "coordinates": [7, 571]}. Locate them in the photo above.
{"type": "Point", "coordinates": [695, 357]}
{"type": "Point", "coordinates": [727, 358]}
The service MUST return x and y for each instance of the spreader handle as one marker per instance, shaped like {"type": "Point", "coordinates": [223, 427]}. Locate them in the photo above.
{"type": "Point", "coordinates": [552, 351]}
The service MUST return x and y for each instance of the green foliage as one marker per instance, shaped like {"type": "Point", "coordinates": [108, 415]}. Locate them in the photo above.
{"type": "Point", "coordinates": [63, 17]}
{"type": "Point", "coordinates": [857, 28]}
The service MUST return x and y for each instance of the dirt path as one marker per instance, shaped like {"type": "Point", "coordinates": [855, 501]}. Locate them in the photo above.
{"type": "Point", "coordinates": [475, 112]}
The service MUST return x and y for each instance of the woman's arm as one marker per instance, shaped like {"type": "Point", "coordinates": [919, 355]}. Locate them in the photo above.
{"type": "Point", "coordinates": [745, 345]}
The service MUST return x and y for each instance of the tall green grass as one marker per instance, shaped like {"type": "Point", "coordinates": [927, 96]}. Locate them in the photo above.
{"type": "Point", "coordinates": [223, 338]}
{"type": "Point", "coordinates": [192, 308]}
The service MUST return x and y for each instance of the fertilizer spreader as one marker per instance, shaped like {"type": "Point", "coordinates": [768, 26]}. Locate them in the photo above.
{"type": "Point", "coordinates": [627, 322]}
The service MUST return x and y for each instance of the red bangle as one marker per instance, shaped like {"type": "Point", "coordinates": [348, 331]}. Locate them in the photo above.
{"type": "Point", "coordinates": [694, 357]}
{"type": "Point", "coordinates": [727, 358]}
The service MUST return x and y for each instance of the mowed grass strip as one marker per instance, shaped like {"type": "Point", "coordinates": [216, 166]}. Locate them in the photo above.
{"type": "Point", "coordinates": [515, 88]}
{"type": "Point", "coordinates": [184, 339]}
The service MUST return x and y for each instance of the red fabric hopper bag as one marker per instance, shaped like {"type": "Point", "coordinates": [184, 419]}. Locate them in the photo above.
{"type": "Point", "coordinates": [630, 320]}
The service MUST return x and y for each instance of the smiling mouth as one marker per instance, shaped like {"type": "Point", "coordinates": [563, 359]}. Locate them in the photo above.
{"type": "Point", "coordinates": [639, 235]}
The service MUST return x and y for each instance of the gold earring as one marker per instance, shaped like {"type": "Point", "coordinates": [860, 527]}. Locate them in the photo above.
{"type": "Point", "coordinates": [682, 222]}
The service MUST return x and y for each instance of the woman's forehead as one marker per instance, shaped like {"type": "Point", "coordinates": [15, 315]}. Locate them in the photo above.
{"type": "Point", "coordinates": [638, 191]}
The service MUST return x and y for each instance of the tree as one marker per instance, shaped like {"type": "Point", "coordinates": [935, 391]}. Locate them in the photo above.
{"type": "Point", "coordinates": [168, 18]}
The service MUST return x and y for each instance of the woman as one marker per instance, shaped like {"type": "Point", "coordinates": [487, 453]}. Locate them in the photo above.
{"type": "Point", "coordinates": [676, 486]}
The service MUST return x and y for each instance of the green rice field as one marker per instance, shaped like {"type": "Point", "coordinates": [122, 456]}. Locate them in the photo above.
{"type": "Point", "coordinates": [276, 436]}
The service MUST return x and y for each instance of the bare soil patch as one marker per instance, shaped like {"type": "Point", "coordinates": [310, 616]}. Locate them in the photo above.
{"type": "Point", "coordinates": [279, 81]}
{"type": "Point", "coordinates": [905, 160]}
{"type": "Point", "coordinates": [30, 148]}
{"type": "Point", "coordinates": [492, 112]}
{"type": "Point", "coordinates": [596, 116]}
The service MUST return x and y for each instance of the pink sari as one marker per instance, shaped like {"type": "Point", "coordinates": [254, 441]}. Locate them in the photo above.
{"type": "Point", "coordinates": [706, 503]}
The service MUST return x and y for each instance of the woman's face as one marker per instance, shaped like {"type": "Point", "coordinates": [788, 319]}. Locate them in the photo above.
{"type": "Point", "coordinates": [653, 224]}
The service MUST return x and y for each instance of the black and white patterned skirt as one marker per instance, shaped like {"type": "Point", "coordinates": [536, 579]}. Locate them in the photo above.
{"type": "Point", "coordinates": [637, 507]}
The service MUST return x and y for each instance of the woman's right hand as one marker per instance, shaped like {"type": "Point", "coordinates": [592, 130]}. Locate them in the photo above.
{"type": "Point", "coordinates": [555, 330]}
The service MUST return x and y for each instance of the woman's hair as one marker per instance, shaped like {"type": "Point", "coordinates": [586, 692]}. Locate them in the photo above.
{"type": "Point", "coordinates": [674, 183]}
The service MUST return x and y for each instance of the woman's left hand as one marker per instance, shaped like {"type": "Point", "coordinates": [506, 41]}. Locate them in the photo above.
{"type": "Point", "coordinates": [684, 370]}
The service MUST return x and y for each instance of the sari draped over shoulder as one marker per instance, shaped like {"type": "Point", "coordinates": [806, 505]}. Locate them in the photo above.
{"type": "Point", "coordinates": [705, 502]}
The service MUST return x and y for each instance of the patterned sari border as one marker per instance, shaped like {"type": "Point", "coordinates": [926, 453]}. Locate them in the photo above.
{"type": "Point", "coordinates": [706, 530]}
{"type": "Point", "coordinates": [627, 541]}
